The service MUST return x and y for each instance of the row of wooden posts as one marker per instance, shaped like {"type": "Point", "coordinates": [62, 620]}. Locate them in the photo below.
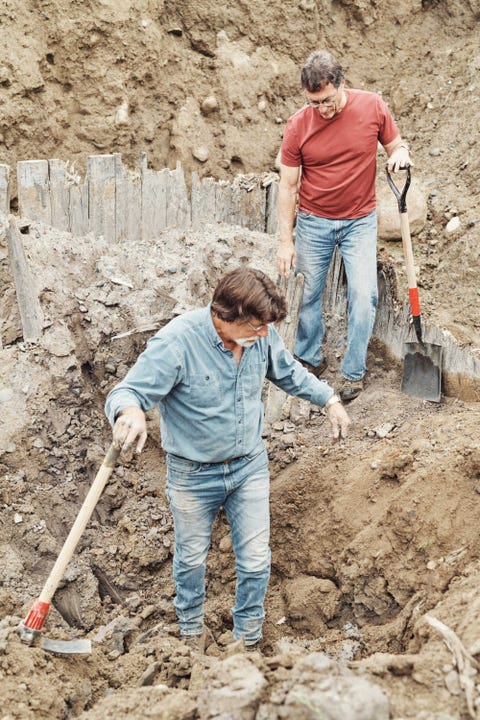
{"type": "Point", "coordinates": [122, 204]}
{"type": "Point", "coordinates": [119, 203]}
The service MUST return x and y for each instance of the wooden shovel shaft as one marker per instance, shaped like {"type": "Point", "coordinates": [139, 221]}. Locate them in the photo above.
{"type": "Point", "coordinates": [80, 523]}
{"type": "Point", "coordinates": [408, 253]}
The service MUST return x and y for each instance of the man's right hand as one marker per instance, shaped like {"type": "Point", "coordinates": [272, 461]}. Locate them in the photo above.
{"type": "Point", "coordinates": [286, 257]}
{"type": "Point", "coordinates": [130, 429]}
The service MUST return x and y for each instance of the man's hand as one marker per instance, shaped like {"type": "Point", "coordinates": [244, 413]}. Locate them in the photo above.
{"type": "Point", "coordinates": [130, 428]}
{"type": "Point", "coordinates": [286, 257]}
{"type": "Point", "coordinates": [339, 420]}
{"type": "Point", "coordinates": [399, 159]}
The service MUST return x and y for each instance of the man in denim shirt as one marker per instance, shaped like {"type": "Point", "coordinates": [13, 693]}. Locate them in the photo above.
{"type": "Point", "coordinates": [205, 371]}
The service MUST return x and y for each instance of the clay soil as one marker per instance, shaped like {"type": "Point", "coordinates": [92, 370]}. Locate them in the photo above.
{"type": "Point", "coordinates": [372, 536]}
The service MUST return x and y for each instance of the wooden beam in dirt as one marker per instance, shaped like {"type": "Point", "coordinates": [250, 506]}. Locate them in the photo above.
{"type": "Point", "coordinates": [31, 313]}
{"type": "Point", "coordinates": [154, 200]}
{"type": "Point", "coordinates": [271, 207]}
{"type": "Point", "coordinates": [4, 188]}
{"type": "Point", "coordinates": [34, 190]}
{"type": "Point", "coordinates": [78, 208]}
{"type": "Point", "coordinates": [128, 203]}
{"type": "Point", "coordinates": [275, 397]}
{"type": "Point", "coordinates": [203, 200]}
{"type": "Point", "coordinates": [101, 195]}
{"type": "Point", "coordinates": [59, 194]}
{"type": "Point", "coordinates": [178, 204]}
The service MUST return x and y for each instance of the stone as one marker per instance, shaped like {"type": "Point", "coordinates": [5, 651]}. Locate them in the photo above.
{"type": "Point", "coordinates": [209, 105]}
{"type": "Point", "coordinates": [387, 207]}
{"type": "Point", "coordinates": [200, 153]}
{"type": "Point", "coordinates": [453, 224]}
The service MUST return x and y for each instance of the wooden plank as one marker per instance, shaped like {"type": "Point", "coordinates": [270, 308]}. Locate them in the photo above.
{"type": "Point", "coordinates": [271, 207]}
{"type": "Point", "coordinates": [203, 200]}
{"type": "Point", "coordinates": [154, 200]}
{"type": "Point", "coordinates": [275, 397]}
{"type": "Point", "coordinates": [101, 195]}
{"type": "Point", "coordinates": [252, 208]}
{"type": "Point", "coordinates": [34, 190]}
{"type": "Point", "coordinates": [178, 205]}
{"type": "Point", "coordinates": [59, 194]}
{"type": "Point", "coordinates": [31, 313]}
{"type": "Point", "coordinates": [223, 202]}
{"type": "Point", "coordinates": [128, 202]}
{"type": "Point", "coordinates": [78, 209]}
{"type": "Point", "coordinates": [4, 188]}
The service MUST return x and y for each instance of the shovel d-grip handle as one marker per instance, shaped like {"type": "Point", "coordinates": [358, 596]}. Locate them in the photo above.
{"type": "Point", "coordinates": [401, 196]}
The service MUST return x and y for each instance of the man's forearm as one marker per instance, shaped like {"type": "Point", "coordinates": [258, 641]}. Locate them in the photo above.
{"type": "Point", "coordinates": [287, 201]}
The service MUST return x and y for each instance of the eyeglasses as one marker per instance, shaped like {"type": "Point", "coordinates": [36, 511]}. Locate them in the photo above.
{"type": "Point", "coordinates": [256, 328]}
{"type": "Point", "coordinates": [327, 102]}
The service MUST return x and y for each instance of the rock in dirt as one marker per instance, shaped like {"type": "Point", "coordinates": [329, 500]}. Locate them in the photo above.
{"type": "Point", "coordinates": [321, 687]}
{"type": "Point", "coordinates": [232, 689]}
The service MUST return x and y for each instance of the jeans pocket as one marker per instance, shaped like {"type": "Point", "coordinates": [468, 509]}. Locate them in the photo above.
{"type": "Point", "coordinates": [182, 466]}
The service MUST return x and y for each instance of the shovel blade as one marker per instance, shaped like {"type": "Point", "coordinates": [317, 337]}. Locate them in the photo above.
{"type": "Point", "coordinates": [67, 647]}
{"type": "Point", "coordinates": [422, 371]}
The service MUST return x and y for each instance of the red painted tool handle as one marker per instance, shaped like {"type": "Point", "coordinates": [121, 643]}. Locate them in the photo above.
{"type": "Point", "coordinates": [414, 301]}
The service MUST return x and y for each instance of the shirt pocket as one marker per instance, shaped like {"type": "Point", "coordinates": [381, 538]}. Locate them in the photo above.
{"type": "Point", "coordinates": [253, 379]}
{"type": "Point", "coordinates": [205, 389]}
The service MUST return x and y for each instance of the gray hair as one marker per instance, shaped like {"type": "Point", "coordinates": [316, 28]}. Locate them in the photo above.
{"type": "Point", "coordinates": [320, 69]}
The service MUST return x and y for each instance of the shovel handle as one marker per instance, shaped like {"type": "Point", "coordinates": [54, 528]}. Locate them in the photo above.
{"type": "Point", "coordinates": [401, 195]}
{"type": "Point", "coordinates": [80, 523]}
{"type": "Point", "coordinates": [407, 249]}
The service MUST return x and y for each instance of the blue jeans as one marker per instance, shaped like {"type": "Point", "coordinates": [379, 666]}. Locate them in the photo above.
{"type": "Point", "coordinates": [315, 243]}
{"type": "Point", "coordinates": [196, 491]}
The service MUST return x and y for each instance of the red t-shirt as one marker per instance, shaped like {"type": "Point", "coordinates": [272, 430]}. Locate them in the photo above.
{"type": "Point", "coordinates": [338, 157]}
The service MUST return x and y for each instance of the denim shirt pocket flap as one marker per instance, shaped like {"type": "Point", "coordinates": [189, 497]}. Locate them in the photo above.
{"type": "Point", "coordinates": [205, 388]}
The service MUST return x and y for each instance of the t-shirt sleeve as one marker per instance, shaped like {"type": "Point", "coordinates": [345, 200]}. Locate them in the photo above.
{"type": "Point", "coordinates": [388, 129]}
{"type": "Point", "coordinates": [290, 154]}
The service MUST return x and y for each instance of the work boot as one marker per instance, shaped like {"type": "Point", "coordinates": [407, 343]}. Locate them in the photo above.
{"type": "Point", "coordinates": [350, 389]}
{"type": "Point", "coordinates": [316, 370]}
{"type": "Point", "coordinates": [196, 643]}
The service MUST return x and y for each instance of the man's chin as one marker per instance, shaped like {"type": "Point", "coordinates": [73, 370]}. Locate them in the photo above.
{"type": "Point", "coordinates": [246, 342]}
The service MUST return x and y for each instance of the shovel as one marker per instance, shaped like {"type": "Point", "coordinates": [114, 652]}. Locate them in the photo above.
{"type": "Point", "coordinates": [422, 369]}
{"type": "Point", "coordinates": [31, 627]}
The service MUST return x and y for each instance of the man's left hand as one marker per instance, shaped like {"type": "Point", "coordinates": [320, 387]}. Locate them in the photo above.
{"type": "Point", "coordinates": [339, 420]}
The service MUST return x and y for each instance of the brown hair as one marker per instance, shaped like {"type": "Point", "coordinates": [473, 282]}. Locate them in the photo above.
{"type": "Point", "coordinates": [246, 293]}
{"type": "Point", "coordinates": [320, 69]}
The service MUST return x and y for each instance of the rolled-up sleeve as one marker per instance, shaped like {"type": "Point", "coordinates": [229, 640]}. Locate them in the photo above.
{"type": "Point", "coordinates": [288, 374]}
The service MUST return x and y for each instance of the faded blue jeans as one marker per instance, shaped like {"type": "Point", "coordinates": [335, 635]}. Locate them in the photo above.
{"type": "Point", "coordinates": [315, 242]}
{"type": "Point", "coordinates": [196, 491]}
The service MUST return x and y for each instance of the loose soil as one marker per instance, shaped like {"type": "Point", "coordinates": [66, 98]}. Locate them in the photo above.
{"type": "Point", "coordinates": [369, 536]}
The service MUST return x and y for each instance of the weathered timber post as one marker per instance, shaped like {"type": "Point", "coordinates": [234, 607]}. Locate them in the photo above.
{"type": "Point", "coordinates": [128, 203]}
{"type": "Point", "coordinates": [28, 304]}
{"type": "Point", "coordinates": [101, 195]}
{"type": "Point", "coordinates": [4, 189]}
{"type": "Point", "coordinates": [276, 398]}
{"type": "Point", "coordinates": [34, 190]}
{"type": "Point", "coordinates": [59, 194]}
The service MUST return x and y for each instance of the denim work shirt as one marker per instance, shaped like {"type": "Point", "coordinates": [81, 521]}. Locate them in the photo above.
{"type": "Point", "coordinates": [211, 408]}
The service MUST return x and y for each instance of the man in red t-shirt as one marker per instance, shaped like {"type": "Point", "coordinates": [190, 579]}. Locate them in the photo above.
{"type": "Point", "coordinates": [328, 158]}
